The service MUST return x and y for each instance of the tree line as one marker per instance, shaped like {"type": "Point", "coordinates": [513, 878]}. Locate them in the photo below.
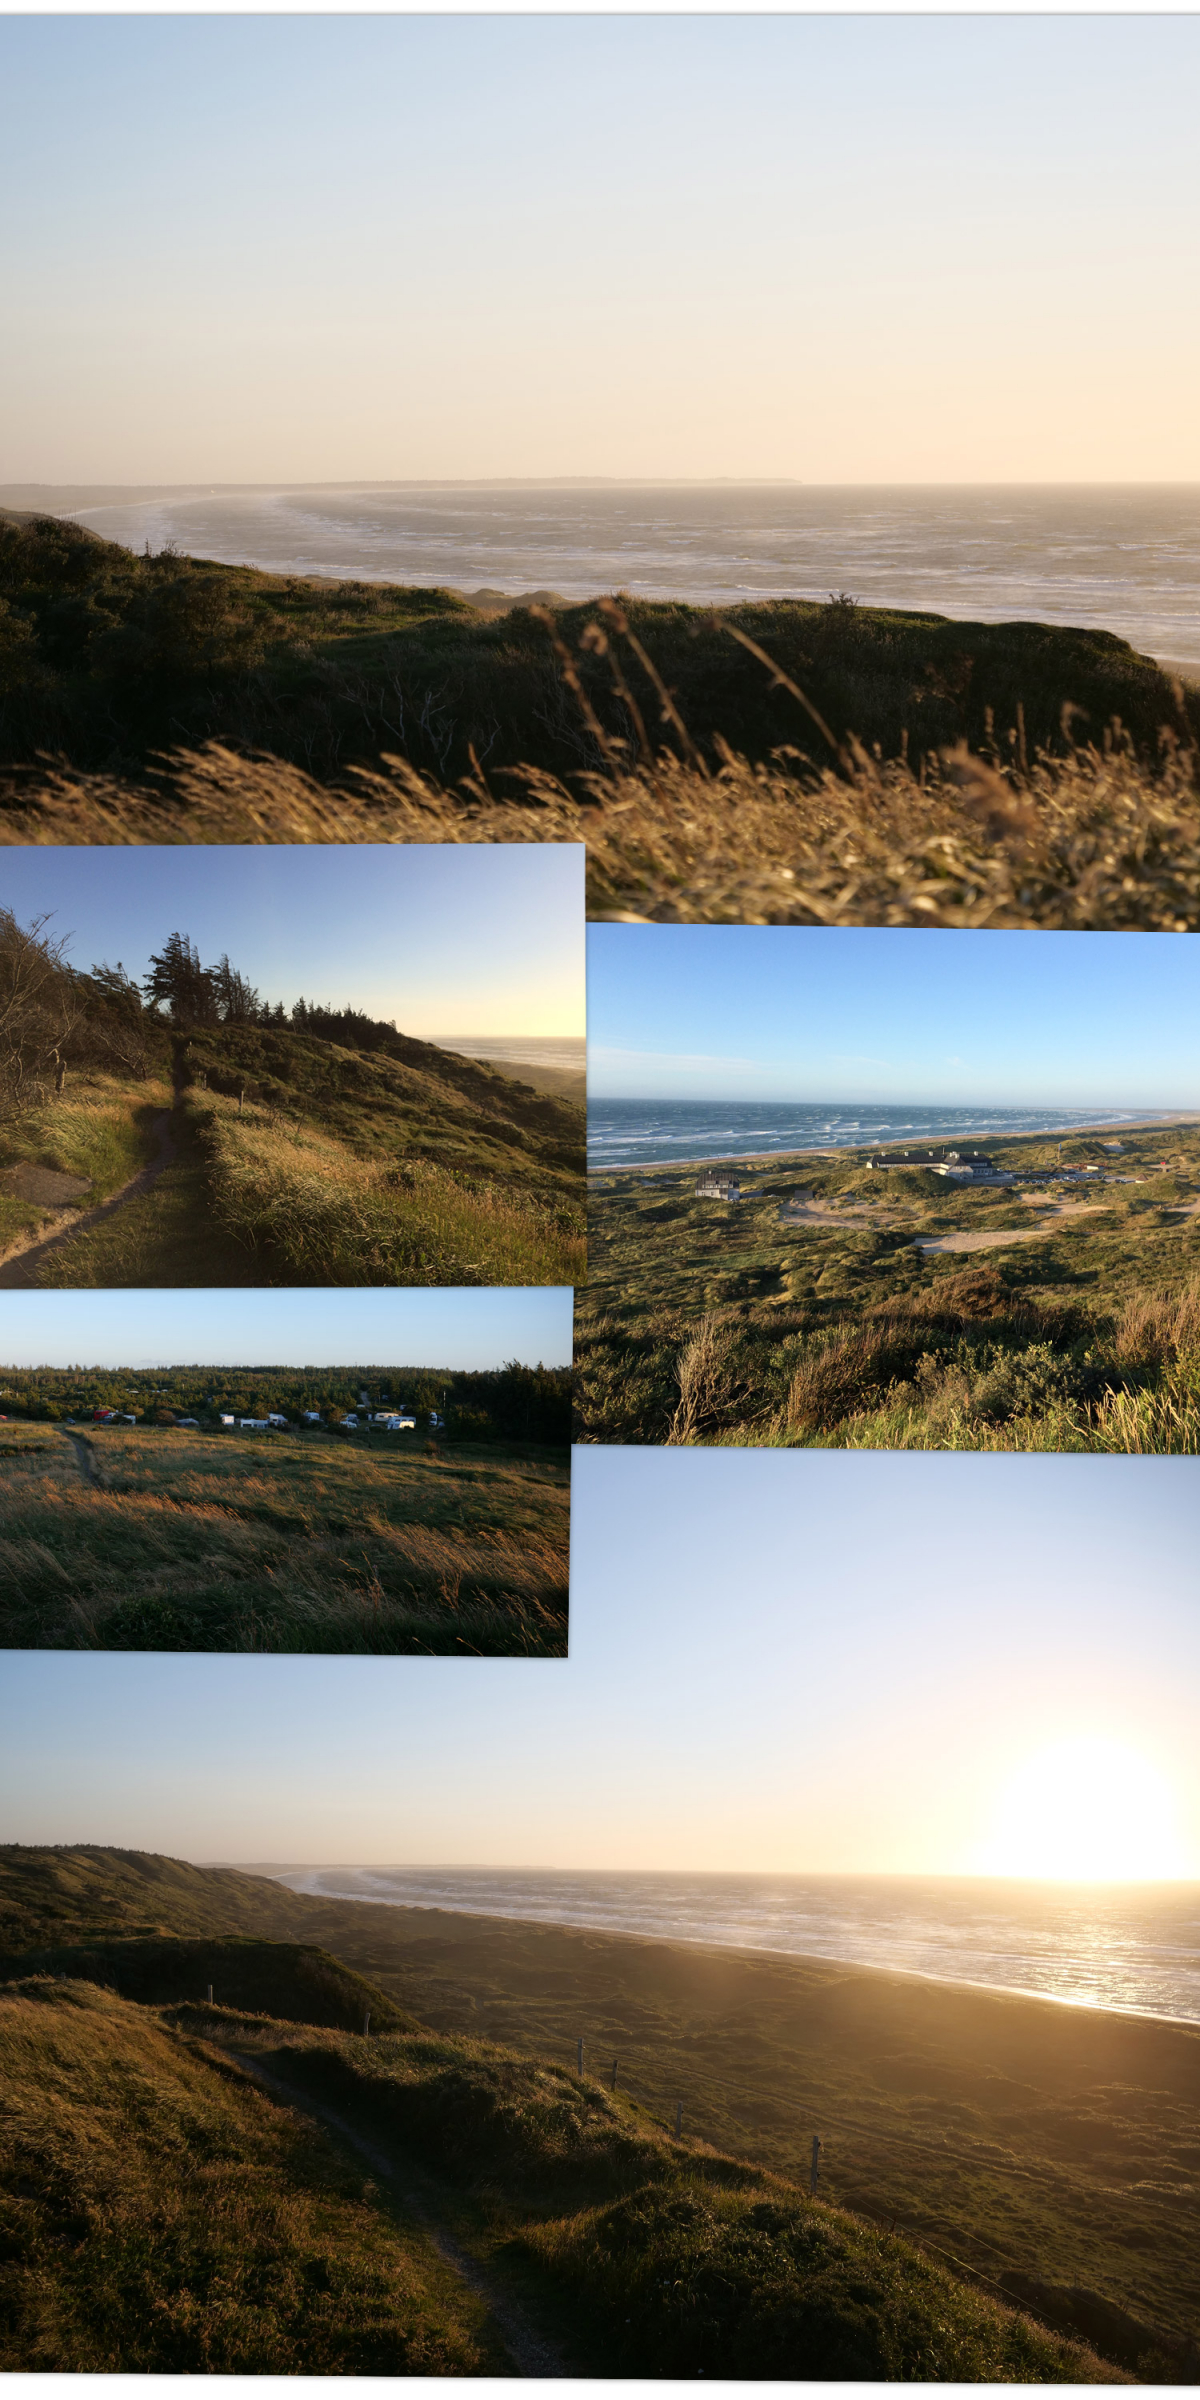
{"type": "Point", "coordinates": [53, 1016]}
{"type": "Point", "coordinates": [513, 1403]}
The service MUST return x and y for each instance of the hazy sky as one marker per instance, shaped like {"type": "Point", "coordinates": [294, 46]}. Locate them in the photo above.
{"type": "Point", "coordinates": [478, 1328]}
{"type": "Point", "coordinates": [783, 1660]}
{"type": "Point", "coordinates": [841, 248]}
{"type": "Point", "coordinates": [791, 1012]}
{"type": "Point", "coordinates": [461, 938]}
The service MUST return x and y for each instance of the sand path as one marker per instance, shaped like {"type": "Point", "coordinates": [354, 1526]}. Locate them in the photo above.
{"type": "Point", "coordinates": [530, 2354]}
{"type": "Point", "coordinates": [85, 1455]}
{"type": "Point", "coordinates": [21, 1266]}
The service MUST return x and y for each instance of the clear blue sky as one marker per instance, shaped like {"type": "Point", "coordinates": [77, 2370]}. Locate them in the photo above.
{"type": "Point", "coordinates": [779, 1660]}
{"type": "Point", "coordinates": [456, 938]}
{"type": "Point", "coordinates": [477, 1328]}
{"type": "Point", "coordinates": [832, 247]}
{"type": "Point", "coordinates": [732, 1012]}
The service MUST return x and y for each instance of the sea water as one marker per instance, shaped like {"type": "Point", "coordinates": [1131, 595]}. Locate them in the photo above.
{"type": "Point", "coordinates": [636, 1133]}
{"type": "Point", "coordinates": [1116, 1946]}
{"type": "Point", "coordinates": [567, 1051]}
{"type": "Point", "coordinates": [1125, 558]}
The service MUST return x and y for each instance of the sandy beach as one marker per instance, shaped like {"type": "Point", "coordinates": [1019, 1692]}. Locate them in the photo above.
{"type": "Point", "coordinates": [770, 1158]}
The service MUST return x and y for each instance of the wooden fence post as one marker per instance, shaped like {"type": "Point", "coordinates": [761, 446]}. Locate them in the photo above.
{"type": "Point", "coordinates": [679, 2120]}
{"type": "Point", "coordinates": [579, 2056]}
{"type": "Point", "coordinates": [366, 2020]}
{"type": "Point", "coordinates": [210, 1995]}
{"type": "Point", "coordinates": [814, 2171]}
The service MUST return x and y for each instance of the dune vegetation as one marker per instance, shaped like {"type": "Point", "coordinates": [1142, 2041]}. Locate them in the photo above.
{"type": "Point", "coordinates": [188, 1134]}
{"type": "Point", "coordinates": [790, 763]}
{"type": "Point", "coordinates": [989, 2159]}
{"type": "Point", "coordinates": [161, 2216]}
{"type": "Point", "coordinates": [835, 1306]}
{"type": "Point", "coordinates": [271, 2252]}
{"type": "Point", "coordinates": [167, 1539]}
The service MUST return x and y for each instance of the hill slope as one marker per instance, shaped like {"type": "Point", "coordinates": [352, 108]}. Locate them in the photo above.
{"type": "Point", "coordinates": [296, 1159]}
{"type": "Point", "coordinates": [162, 2217]}
{"type": "Point", "coordinates": [106, 657]}
{"type": "Point", "coordinates": [161, 2214]}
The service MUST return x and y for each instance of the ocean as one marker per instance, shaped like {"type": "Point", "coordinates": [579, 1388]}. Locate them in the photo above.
{"type": "Point", "coordinates": [637, 1133]}
{"type": "Point", "coordinates": [1128, 1947]}
{"type": "Point", "coordinates": [1122, 557]}
{"type": "Point", "coordinates": [530, 1050]}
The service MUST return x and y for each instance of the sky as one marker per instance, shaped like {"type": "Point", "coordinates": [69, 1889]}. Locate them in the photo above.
{"type": "Point", "coordinates": [456, 938]}
{"type": "Point", "coordinates": [467, 1329]}
{"type": "Point", "coordinates": [779, 1661]}
{"type": "Point", "coordinates": [733, 1012]}
{"type": "Point", "coordinates": [855, 248]}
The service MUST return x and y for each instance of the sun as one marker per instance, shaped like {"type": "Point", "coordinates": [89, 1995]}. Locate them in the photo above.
{"type": "Point", "coordinates": [1085, 1810]}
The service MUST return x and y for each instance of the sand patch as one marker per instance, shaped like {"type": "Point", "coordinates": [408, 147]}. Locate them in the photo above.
{"type": "Point", "coordinates": [44, 1186]}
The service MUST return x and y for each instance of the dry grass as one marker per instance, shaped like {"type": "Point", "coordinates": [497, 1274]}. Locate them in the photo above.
{"type": "Point", "coordinates": [327, 1217]}
{"type": "Point", "coordinates": [1092, 839]}
{"type": "Point", "coordinates": [281, 1543]}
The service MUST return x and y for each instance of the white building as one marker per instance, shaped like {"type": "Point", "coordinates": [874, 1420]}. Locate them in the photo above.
{"type": "Point", "coordinates": [718, 1187]}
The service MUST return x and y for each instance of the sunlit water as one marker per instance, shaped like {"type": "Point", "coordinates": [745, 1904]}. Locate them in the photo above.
{"type": "Point", "coordinates": [530, 1050]}
{"type": "Point", "coordinates": [1131, 1947]}
{"type": "Point", "coordinates": [1125, 558]}
{"type": "Point", "coordinates": [634, 1133]}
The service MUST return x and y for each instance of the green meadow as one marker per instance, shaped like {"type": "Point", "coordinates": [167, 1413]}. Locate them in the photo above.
{"type": "Point", "coordinates": [160, 1538]}
{"type": "Point", "coordinates": [839, 1306]}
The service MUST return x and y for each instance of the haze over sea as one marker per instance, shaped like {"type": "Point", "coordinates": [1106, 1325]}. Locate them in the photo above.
{"type": "Point", "coordinates": [639, 1133]}
{"type": "Point", "coordinates": [1121, 1946]}
{"type": "Point", "coordinates": [1122, 557]}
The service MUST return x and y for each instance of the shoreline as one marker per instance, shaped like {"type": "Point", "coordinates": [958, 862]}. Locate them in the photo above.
{"type": "Point", "coordinates": [708, 1946]}
{"type": "Point", "coordinates": [1029, 1133]}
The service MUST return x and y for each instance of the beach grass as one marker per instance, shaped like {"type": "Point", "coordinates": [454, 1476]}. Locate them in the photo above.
{"type": "Point", "coordinates": [293, 1194]}
{"type": "Point", "coordinates": [162, 2217]}
{"type": "Point", "coordinates": [808, 1315]}
{"type": "Point", "coordinates": [170, 1540]}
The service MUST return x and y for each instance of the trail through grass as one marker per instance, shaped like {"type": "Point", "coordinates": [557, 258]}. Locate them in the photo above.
{"type": "Point", "coordinates": [163, 2217]}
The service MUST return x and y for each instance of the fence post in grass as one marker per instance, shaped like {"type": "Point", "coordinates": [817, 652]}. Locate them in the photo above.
{"type": "Point", "coordinates": [579, 2056]}
{"type": "Point", "coordinates": [210, 1995]}
{"type": "Point", "coordinates": [814, 2172]}
{"type": "Point", "coordinates": [366, 2020]}
{"type": "Point", "coordinates": [614, 2075]}
{"type": "Point", "coordinates": [679, 2120]}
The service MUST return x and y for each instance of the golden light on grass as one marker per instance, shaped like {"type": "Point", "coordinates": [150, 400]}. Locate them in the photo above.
{"type": "Point", "coordinates": [1086, 1809]}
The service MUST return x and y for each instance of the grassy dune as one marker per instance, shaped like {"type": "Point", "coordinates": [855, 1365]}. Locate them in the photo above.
{"type": "Point", "coordinates": [1044, 2154]}
{"type": "Point", "coordinates": [294, 1195]}
{"type": "Point", "coordinates": [1066, 1318]}
{"type": "Point", "coordinates": [646, 2255]}
{"type": "Point", "coordinates": [160, 2217]}
{"type": "Point", "coordinates": [303, 1161]}
{"type": "Point", "coordinates": [198, 1541]}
